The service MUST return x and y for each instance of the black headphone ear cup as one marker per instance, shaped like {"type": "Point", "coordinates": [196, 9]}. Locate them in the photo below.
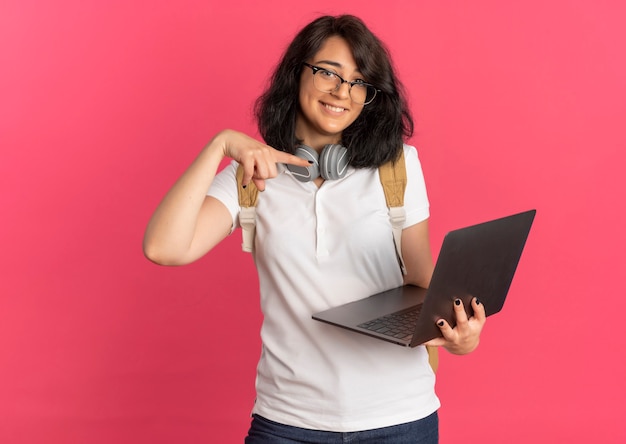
{"type": "Point", "coordinates": [333, 162]}
{"type": "Point", "coordinates": [306, 174]}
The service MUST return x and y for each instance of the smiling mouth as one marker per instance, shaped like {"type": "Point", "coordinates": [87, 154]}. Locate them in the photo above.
{"type": "Point", "coordinates": [336, 109]}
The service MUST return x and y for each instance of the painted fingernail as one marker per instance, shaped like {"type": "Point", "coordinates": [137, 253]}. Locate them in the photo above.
{"type": "Point", "coordinates": [457, 302]}
{"type": "Point", "coordinates": [477, 301]}
{"type": "Point", "coordinates": [310, 161]}
{"type": "Point", "coordinates": [440, 323]}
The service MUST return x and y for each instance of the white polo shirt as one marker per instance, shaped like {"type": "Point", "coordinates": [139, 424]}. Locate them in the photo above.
{"type": "Point", "coordinates": [316, 248]}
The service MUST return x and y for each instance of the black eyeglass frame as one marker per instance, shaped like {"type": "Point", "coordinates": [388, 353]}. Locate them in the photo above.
{"type": "Point", "coordinates": [316, 69]}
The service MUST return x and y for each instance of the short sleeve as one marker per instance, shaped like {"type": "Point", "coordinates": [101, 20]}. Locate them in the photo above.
{"type": "Point", "coordinates": [416, 202]}
{"type": "Point", "coordinates": [224, 189]}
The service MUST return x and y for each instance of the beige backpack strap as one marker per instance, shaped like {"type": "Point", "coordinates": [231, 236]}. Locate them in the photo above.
{"type": "Point", "coordinates": [433, 357]}
{"type": "Point", "coordinates": [393, 179]}
{"type": "Point", "coordinates": [248, 197]}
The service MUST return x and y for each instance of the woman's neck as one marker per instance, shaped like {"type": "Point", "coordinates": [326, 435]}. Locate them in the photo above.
{"type": "Point", "coordinates": [314, 139]}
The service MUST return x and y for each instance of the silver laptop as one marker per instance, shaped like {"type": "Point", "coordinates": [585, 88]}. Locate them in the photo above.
{"type": "Point", "coordinates": [475, 261]}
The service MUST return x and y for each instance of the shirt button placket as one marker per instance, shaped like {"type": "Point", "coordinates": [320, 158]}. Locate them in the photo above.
{"type": "Point", "coordinates": [321, 224]}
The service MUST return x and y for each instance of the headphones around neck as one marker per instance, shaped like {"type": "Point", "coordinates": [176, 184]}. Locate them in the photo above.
{"type": "Point", "coordinates": [331, 163]}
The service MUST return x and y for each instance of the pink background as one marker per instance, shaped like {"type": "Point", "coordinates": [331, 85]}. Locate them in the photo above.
{"type": "Point", "coordinates": [103, 104]}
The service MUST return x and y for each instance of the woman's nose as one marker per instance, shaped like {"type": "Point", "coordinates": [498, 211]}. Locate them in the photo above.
{"type": "Point", "coordinates": [343, 90]}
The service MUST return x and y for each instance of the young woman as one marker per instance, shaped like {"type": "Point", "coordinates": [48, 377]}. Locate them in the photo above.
{"type": "Point", "coordinates": [322, 243]}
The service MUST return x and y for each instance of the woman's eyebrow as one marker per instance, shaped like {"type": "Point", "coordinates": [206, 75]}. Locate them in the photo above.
{"type": "Point", "coordinates": [334, 64]}
{"type": "Point", "coordinates": [331, 63]}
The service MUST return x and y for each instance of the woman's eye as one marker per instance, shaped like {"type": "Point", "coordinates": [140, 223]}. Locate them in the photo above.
{"type": "Point", "coordinates": [328, 74]}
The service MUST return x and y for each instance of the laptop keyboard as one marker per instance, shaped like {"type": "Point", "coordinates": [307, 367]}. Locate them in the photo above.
{"type": "Point", "coordinates": [400, 324]}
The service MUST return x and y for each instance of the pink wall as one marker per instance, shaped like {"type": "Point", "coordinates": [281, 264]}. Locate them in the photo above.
{"type": "Point", "coordinates": [518, 105]}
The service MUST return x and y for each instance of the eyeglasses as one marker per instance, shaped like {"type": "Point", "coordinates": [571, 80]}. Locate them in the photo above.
{"type": "Point", "coordinates": [327, 81]}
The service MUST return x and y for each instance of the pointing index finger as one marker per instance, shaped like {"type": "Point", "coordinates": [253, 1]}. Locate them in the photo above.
{"type": "Point", "coordinates": [290, 159]}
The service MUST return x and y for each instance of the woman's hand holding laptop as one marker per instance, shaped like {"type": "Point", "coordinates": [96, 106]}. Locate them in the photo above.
{"type": "Point", "coordinates": [463, 338]}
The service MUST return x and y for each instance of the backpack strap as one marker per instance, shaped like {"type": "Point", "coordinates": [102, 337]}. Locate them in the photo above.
{"type": "Point", "coordinates": [393, 178]}
{"type": "Point", "coordinates": [248, 198]}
